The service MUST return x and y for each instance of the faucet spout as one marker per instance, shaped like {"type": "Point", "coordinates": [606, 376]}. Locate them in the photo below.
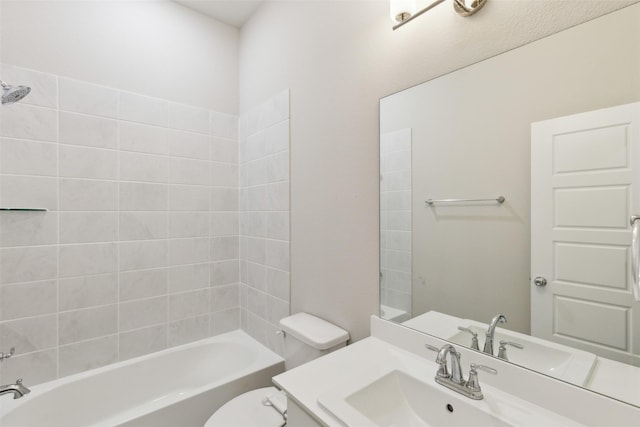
{"type": "Point", "coordinates": [488, 342]}
{"type": "Point", "coordinates": [456, 370]}
{"type": "Point", "coordinates": [17, 389]}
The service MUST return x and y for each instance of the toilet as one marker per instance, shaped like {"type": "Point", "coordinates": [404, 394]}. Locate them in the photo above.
{"type": "Point", "coordinates": [306, 338]}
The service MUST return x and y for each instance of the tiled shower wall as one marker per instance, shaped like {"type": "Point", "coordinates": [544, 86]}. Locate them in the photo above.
{"type": "Point", "coordinates": [264, 219]}
{"type": "Point", "coordinates": [139, 249]}
{"type": "Point", "coordinates": [395, 224]}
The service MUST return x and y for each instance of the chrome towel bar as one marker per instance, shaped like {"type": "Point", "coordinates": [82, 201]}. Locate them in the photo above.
{"type": "Point", "coordinates": [499, 199]}
{"type": "Point", "coordinates": [24, 209]}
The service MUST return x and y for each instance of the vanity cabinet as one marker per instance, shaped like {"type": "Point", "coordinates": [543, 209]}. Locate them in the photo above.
{"type": "Point", "coordinates": [298, 417]}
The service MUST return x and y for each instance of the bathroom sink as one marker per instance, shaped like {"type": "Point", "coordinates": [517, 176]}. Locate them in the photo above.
{"type": "Point", "coordinates": [549, 358]}
{"type": "Point", "coordinates": [543, 356]}
{"type": "Point", "coordinates": [402, 392]}
{"type": "Point", "coordinates": [398, 399]}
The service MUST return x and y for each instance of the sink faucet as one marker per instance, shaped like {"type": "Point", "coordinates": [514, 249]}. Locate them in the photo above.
{"type": "Point", "coordinates": [17, 389]}
{"type": "Point", "coordinates": [456, 372]}
{"type": "Point", "coordinates": [454, 380]}
{"type": "Point", "coordinates": [474, 337]}
{"type": "Point", "coordinates": [488, 342]}
{"type": "Point", "coordinates": [502, 350]}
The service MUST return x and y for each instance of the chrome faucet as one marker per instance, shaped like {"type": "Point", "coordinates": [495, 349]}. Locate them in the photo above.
{"type": "Point", "coordinates": [17, 389]}
{"type": "Point", "coordinates": [474, 338]}
{"type": "Point", "coordinates": [488, 342]}
{"type": "Point", "coordinates": [456, 372]}
{"type": "Point", "coordinates": [502, 350]}
{"type": "Point", "coordinates": [473, 385]}
{"type": "Point", "coordinates": [454, 380]}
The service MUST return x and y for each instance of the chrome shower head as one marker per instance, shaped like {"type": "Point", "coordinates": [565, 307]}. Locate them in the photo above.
{"type": "Point", "coordinates": [11, 94]}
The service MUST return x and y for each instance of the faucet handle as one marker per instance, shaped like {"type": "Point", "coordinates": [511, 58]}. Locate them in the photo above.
{"type": "Point", "coordinates": [474, 337]}
{"type": "Point", "coordinates": [443, 372]}
{"type": "Point", "coordinates": [488, 369]}
{"type": "Point", "coordinates": [431, 347]}
{"type": "Point", "coordinates": [473, 384]}
{"type": "Point", "coordinates": [502, 350]}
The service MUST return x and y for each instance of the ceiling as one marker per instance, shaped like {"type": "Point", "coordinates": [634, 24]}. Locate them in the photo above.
{"type": "Point", "coordinates": [232, 12]}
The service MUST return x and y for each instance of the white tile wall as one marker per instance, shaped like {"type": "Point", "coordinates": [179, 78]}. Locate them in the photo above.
{"type": "Point", "coordinates": [264, 218]}
{"type": "Point", "coordinates": [140, 247]}
{"type": "Point", "coordinates": [395, 219]}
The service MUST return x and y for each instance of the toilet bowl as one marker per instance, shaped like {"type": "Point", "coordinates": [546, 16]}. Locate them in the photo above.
{"type": "Point", "coordinates": [306, 338]}
{"type": "Point", "coordinates": [250, 409]}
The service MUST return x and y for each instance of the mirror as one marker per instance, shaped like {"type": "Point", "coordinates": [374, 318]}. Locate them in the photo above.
{"type": "Point", "coordinates": [467, 135]}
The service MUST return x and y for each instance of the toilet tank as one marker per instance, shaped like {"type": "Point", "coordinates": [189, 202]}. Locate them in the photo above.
{"type": "Point", "coordinates": [308, 337]}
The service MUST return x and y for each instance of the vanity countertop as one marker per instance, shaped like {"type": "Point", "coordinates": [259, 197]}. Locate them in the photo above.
{"type": "Point", "coordinates": [305, 384]}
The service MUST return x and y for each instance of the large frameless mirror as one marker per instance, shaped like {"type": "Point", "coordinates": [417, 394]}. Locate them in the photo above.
{"type": "Point", "coordinates": [506, 188]}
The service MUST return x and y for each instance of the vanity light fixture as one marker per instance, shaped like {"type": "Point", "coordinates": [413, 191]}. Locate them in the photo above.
{"type": "Point", "coordinates": [403, 11]}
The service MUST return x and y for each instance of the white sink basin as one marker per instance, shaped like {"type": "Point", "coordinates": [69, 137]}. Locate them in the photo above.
{"type": "Point", "coordinates": [556, 360]}
{"type": "Point", "coordinates": [398, 399]}
{"type": "Point", "coordinates": [542, 356]}
{"type": "Point", "coordinates": [402, 392]}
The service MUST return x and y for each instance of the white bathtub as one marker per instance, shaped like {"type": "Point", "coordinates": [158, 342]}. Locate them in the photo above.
{"type": "Point", "coordinates": [178, 387]}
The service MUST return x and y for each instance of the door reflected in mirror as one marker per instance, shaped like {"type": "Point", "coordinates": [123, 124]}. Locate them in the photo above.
{"type": "Point", "coordinates": [536, 125]}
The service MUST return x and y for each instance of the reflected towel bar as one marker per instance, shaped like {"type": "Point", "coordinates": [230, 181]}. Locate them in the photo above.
{"type": "Point", "coordinates": [24, 209]}
{"type": "Point", "coordinates": [499, 199]}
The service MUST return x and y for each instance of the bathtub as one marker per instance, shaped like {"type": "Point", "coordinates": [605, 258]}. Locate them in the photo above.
{"type": "Point", "coordinates": [178, 387]}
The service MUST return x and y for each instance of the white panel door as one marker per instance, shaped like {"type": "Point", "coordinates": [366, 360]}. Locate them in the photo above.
{"type": "Point", "coordinates": [584, 188]}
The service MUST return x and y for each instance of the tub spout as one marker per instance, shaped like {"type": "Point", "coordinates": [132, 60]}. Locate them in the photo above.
{"type": "Point", "coordinates": [17, 389]}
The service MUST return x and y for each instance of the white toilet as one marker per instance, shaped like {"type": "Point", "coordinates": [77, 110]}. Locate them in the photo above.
{"type": "Point", "coordinates": [306, 337]}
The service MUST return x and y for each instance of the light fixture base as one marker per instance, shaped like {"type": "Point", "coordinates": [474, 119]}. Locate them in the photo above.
{"type": "Point", "coordinates": [402, 16]}
{"type": "Point", "coordinates": [468, 7]}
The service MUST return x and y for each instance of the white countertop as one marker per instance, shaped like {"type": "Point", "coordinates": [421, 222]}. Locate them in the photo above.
{"type": "Point", "coordinates": [306, 383]}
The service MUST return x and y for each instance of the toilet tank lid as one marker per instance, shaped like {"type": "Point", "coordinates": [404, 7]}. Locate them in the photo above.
{"type": "Point", "coordinates": [313, 331]}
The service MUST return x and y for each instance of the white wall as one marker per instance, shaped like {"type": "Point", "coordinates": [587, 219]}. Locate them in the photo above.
{"type": "Point", "coordinates": [156, 48]}
{"type": "Point", "coordinates": [338, 58]}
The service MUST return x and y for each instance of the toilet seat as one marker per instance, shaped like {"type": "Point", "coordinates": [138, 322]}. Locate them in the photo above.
{"type": "Point", "coordinates": [247, 410]}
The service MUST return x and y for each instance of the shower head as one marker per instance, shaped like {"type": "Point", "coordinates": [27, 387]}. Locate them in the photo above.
{"type": "Point", "coordinates": [11, 94]}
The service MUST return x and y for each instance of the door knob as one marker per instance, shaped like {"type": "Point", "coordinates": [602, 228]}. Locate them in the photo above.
{"type": "Point", "coordinates": [540, 281]}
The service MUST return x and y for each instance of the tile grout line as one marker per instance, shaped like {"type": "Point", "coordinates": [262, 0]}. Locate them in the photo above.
{"type": "Point", "coordinates": [210, 231]}
{"type": "Point", "coordinates": [57, 80]}
{"type": "Point", "coordinates": [167, 232]}
{"type": "Point", "coordinates": [57, 314]}
{"type": "Point", "coordinates": [118, 258]}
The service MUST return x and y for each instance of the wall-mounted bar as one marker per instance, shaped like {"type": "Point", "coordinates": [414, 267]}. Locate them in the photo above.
{"type": "Point", "coordinates": [499, 199]}
{"type": "Point", "coordinates": [24, 209]}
